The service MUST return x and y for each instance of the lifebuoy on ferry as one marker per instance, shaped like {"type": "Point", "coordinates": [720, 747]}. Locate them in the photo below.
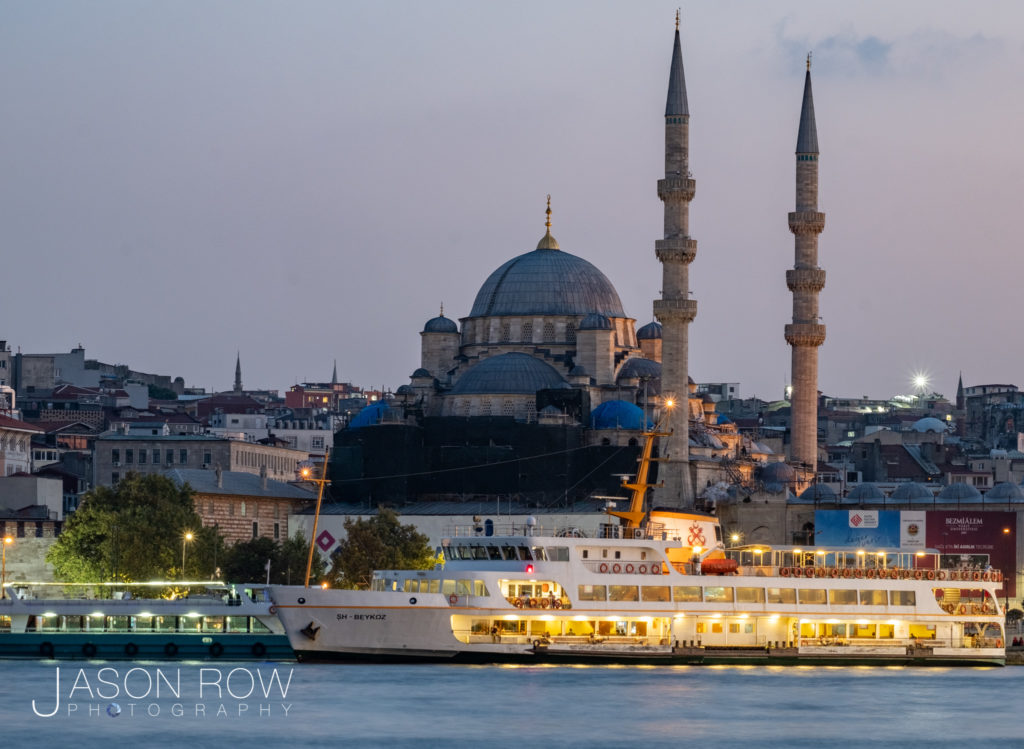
{"type": "Point", "coordinates": [533, 603]}
{"type": "Point", "coordinates": [963, 608]}
{"type": "Point", "coordinates": [518, 603]}
{"type": "Point", "coordinates": [453, 599]}
{"type": "Point", "coordinates": [931, 574]}
{"type": "Point", "coordinates": [616, 568]}
{"type": "Point", "coordinates": [872, 573]}
{"type": "Point", "coordinates": [603, 567]}
{"type": "Point", "coordinates": [975, 609]}
{"type": "Point", "coordinates": [655, 569]}
{"type": "Point", "coordinates": [784, 571]}
{"type": "Point", "coordinates": [545, 602]}
{"type": "Point", "coordinates": [977, 576]}
{"type": "Point", "coordinates": [986, 576]}
{"type": "Point", "coordinates": [847, 572]}
{"type": "Point", "coordinates": [942, 574]}
{"type": "Point", "coordinates": [273, 610]}
{"type": "Point", "coordinates": [918, 574]}
{"type": "Point", "coordinates": [642, 569]}
{"type": "Point", "coordinates": [629, 568]}
{"type": "Point", "coordinates": [834, 572]}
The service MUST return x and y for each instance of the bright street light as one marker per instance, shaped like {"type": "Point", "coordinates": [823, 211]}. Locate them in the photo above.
{"type": "Point", "coordinates": [187, 538]}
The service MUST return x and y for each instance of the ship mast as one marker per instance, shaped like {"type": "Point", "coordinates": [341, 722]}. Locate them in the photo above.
{"type": "Point", "coordinates": [639, 485]}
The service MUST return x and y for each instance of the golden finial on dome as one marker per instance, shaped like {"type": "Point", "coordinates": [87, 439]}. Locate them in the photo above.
{"type": "Point", "coordinates": [547, 242]}
{"type": "Point", "coordinates": [808, 61]}
{"type": "Point", "coordinates": [677, 19]}
{"type": "Point", "coordinates": [442, 309]}
{"type": "Point", "coordinates": [547, 223]}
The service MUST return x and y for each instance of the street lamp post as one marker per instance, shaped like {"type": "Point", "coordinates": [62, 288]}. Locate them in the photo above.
{"type": "Point", "coordinates": [184, 539]}
{"type": "Point", "coordinates": [3, 576]}
{"type": "Point", "coordinates": [1006, 583]}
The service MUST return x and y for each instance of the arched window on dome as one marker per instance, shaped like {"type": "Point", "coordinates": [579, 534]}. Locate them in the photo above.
{"type": "Point", "coordinates": [549, 332]}
{"type": "Point", "coordinates": [528, 332]}
{"type": "Point", "coordinates": [570, 332]}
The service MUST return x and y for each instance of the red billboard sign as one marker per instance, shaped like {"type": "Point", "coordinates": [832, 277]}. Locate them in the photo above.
{"type": "Point", "coordinates": [974, 534]}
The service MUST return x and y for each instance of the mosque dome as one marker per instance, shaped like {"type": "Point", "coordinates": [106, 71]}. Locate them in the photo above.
{"type": "Point", "coordinates": [959, 493]}
{"type": "Point", "coordinates": [1005, 492]}
{"type": "Point", "coordinates": [617, 414]}
{"type": "Point", "coordinates": [595, 321]}
{"type": "Point", "coordinates": [508, 373]}
{"type": "Point", "coordinates": [866, 492]}
{"type": "Point", "coordinates": [649, 331]}
{"type": "Point", "coordinates": [819, 493]}
{"type": "Point", "coordinates": [929, 424]}
{"type": "Point", "coordinates": [421, 372]}
{"type": "Point", "coordinates": [778, 473]}
{"type": "Point", "coordinates": [372, 414]}
{"type": "Point", "coordinates": [547, 282]}
{"type": "Point", "coordinates": [911, 491]}
{"type": "Point", "coordinates": [638, 366]}
{"type": "Point", "coordinates": [440, 324]}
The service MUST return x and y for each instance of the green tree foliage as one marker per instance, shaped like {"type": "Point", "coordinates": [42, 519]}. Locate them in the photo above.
{"type": "Point", "coordinates": [246, 561]}
{"type": "Point", "coordinates": [132, 532]}
{"type": "Point", "coordinates": [379, 542]}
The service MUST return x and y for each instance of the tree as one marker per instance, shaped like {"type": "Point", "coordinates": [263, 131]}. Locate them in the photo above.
{"type": "Point", "coordinates": [379, 542]}
{"type": "Point", "coordinates": [131, 532]}
{"type": "Point", "coordinates": [246, 561]}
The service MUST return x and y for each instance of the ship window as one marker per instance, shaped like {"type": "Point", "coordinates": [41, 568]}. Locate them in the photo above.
{"type": "Point", "coordinates": [718, 594]}
{"type": "Point", "coordinates": [558, 553]}
{"type": "Point", "coordinates": [618, 555]}
{"type": "Point", "coordinates": [448, 587]}
{"type": "Point", "coordinates": [435, 586]}
{"type": "Point", "coordinates": [716, 628]}
{"type": "Point", "coordinates": [842, 597]}
{"type": "Point", "coordinates": [781, 595]}
{"type": "Point", "coordinates": [509, 552]}
{"type": "Point", "coordinates": [255, 625]}
{"type": "Point", "coordinates": [591, 593]}
{"type": "Point", "coordinates": [812, 595]}
{"type": "Point", "coordinates": [872, 597]}
{"type": "Point", "coordinates": [479, 589]}
{"type": "Point", "coordinates": [749, 595]}
{"type": "Point", "coordinates": [213, 623]}
{"type": "Point", "coordinates": [524, 553]}
{"type": "Point", "coordinates": [463, 587]}
{"type": "Point", "coordinates": [734, 628]}
{"type": "Point", "coordinates": [902, 597]}
{"type": "Point", "coordinates": [411, 586]}
{"type": "Point", "coordinates": [493, 552]}
{"type": "Point", "coordinates": [623, 593]}
{"type": "Point", "coordinates": [586, 553]}
{"type": "Point", "coordinates": [655, 593]}
{"type": "Point", "coordinates": [539, 554]}
{"type": "Point", "coordinates": [479, 552]}
{"type": "Point", "coordinates": [5, 623]}
{"type": "Point", "coordinates": [604, 553]}
{"type": "Point", "coordinates": [236, 623]}
{"type": "Point", "coordinates": [164, 623]}
{"type": "Point", "coordinates": [686, 593]}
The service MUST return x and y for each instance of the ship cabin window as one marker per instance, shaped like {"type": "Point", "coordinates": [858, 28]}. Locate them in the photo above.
{"type": "Point", "coordinates": [812, 595]}
{"type": "Point", "coordinates": [902, 598]}
{"type": "Point", "coordinates": [508, 551]}
{"type": "Point", "coordinates": [686, 593]}
{"type": "Point", "coordinates": [749, 595]}
{"type": "Point", "coordinates": [558, 553]}
{"type": "Point", "coordinates": [623, 593]}
{"type": "Point", "coordinates": [718, 594]}
{"type": "Point", "coordinates": [604, 553]}
{"type": "Point", "coordinates": [872, 598]}
{"type": "Point", "coordinates": [781, 595]}
{"type": "Point", "coordinates": [655, 593]}
{"type": "Point", "coordinates": [494, 553]}
{"type": "Point", "coordinates": [842, 597]}
{"type": "Point", "coordinates": [538, 553]}
{"type": "Point", "coordinates": [586, 553]}
{"type": "Point", "coordinates": [592, 593]}
{"type": "Point", "coordinates": [479, 552]}
{"type": "Point", "coordinates": [5, 623]}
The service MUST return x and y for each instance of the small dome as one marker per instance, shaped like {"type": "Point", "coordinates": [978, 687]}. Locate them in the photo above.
{"type": "Point", "coordinates": [617, 415]}
{"type": "Point", "coordinates": [440, 324]}
{"type": "Point", "coordinates": [723, 419]}
{"type": "Point", "coordinates": [929, 424]}
{"type": "Point", "coordinates": [595, 321]}
{"type": "Point", "coordinates": [512, 373]}
{"type": "Point", "coordinates": [911, 491]}
{"type": "Point", "coordinates": [959, 493]}
{"type": "Point", "coordinates": [1004, 491]}
{"type": "Point", "coordinates": [578, 371]}
{"type": "Point", "coordinates": [421, 372]}
{"type": "Point", "coordinates": [778, 473]}
{"type": "Point", "coordinates": [819, 493]}
{"type": "Point", "coordinates": [404, 390]}
{"type": "Point", "coordinates": [866, 492]}
{"type": "Point", "coordinates": [372, 414]}
{"type": "Point", "coordinates": [649, 331]}
{"type": "Point", "coordinates": [639, 367]}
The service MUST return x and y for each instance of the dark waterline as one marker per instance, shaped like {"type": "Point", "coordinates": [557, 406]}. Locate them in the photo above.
{"type": "Point", "coordinates": [597, 706]}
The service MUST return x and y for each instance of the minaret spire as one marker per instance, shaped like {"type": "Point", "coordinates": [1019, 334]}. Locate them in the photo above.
{"type": "Point", "coordinates": [238, 372]}
{"type": "Point", "coordinates": [675, 310]}
{"type": "Point", "coordinates": [334, 375]}
{"type": "Point", "coordinates": [806, 280]}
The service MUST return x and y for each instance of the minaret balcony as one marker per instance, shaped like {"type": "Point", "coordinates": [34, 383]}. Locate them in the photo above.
{"type": "Point", "coordinates": [805, 279]}
{"type": "Point", "coordinates": [805, 334]}
{"type": "Point", "coordinates": [676, 250]}
{"type": "Point", "coordinates": [676, 188]}
{"type": "Point", "coordinates": [675, 310]}
{"type": "Point", "coordinates": [807, 222]}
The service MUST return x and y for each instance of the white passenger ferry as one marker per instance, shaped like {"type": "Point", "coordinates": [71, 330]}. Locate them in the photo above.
{"type": "Point", "coordinates": [114, 621]}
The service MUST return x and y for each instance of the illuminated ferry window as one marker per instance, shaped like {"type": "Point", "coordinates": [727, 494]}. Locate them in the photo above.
{"type": "Point", "coordinates": [812, 595]}
{"type": "Point", "coordinates": [213, 623]}
{"type": "Point", "coordinates": [623, 593]}
{"type": "Point", "coordinates": [479, 589]}
{"type": "Point", "coordinates": [237, 623]}
{"type": "Point", "coordinates": [872, 598]}
{"type": "Point", "coordinates": [5, 623]}
{"type": "Point", "coordinates": [164, 623]}
{"type": "Point", "coordinates": [655, 593]}
{"type": "Point", "coordinates": [411, 586]}
{"type": "Point", "coordinates": [257, 626]}
{"type": "Point", "coordinates": [749, 595]}
{"type": "Point", "coordinates": [434, 586]}
{"type": "Point", "coordinates": [77, 623]}
{"type": "Point", "coordinates": [591, 593]}
{"type": "Point", "coordinates": [781, 595]}
{"type": "Point", "coordinates": [842, 597]}
{"type": "Point", "coordinates": [865, 630]}
{"type": "Point", "coordinates": [718, 595]}
{"type": "Point", "coordinates": [463, 587]}
{"type": "Point", "coordinates": [686, 593]}
{"type": "Point", "coordinates": [902, 597]}
{"type": "Point", "coordinates": [448, 587]}
{"type": "Point", "coordinates": [734, 628]}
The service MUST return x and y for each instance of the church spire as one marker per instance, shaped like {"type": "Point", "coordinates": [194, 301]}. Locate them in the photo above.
{"type": "Point", "coordinates": [238, 372]}
{"type": "Point", "coordinates": [807, 135]}
{"type": "Point", "coordinates": [676, 105]}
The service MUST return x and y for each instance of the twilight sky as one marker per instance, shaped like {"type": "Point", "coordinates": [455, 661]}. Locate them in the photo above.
{"type": "Point", "coordinates": [304, 181]}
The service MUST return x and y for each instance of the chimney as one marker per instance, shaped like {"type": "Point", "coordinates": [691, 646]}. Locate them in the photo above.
{"type": "Point", "coordinates": [220, 476]}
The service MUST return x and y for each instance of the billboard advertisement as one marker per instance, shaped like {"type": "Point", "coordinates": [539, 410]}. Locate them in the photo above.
{"type": "Point", "coordinates": [972, 534]}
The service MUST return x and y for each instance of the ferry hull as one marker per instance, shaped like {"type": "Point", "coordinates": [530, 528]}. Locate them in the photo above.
{"type": "Point", "coordinates": [61, 646]}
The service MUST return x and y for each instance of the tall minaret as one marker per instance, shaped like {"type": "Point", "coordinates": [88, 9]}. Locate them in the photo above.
{"type": "Point", "coordinates": [806, 280]}
{"type": "Point", "coordinates": [675, 310]}
{"type": "Point", "coordinates": [238, 372]}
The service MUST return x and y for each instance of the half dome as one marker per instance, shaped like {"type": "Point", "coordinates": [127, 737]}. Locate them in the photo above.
{"type": "Point", "coordinates": [512, 373]}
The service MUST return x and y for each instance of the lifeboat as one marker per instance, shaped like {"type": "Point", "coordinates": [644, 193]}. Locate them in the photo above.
{"type": "Point", "coordinates": [719, 566]}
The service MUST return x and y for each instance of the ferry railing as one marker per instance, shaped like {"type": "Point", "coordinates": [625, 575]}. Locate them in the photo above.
{"type": "Point", "coordinates": [483, 530]}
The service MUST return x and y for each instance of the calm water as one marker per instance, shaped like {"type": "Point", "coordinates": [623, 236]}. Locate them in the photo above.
{"type": "Point", "coordinates": [425, 705]}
